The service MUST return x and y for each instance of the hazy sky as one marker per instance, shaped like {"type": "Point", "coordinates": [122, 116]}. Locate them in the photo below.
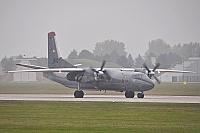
{"type": "Point", "coordinates": [80, 24]}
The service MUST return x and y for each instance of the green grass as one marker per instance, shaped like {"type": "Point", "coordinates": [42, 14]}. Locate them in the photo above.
{"type": "Point", "coordinates": [33, 88]}
{"type": "Point", "coordinates": [190, 89]}
{"type": "Point", "coordinates": [27, 116]}
{"type": "Point", "coordinates": [177, 89]}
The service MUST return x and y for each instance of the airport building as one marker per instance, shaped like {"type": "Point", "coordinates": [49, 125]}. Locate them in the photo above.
{"type": "Point", "coordinates": [26, 76]}
{"type": "Point", "coordinates": [192, 64]}
{"type": "Point", "coordinates": [1, 71]}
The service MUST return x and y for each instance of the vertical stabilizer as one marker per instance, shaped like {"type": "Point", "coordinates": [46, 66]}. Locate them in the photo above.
{"type": "Point", "coordinates": [54, 58]}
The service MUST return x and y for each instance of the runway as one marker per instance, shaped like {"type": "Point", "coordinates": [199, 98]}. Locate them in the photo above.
{"type": "Point", "coordinates": [100, 98]}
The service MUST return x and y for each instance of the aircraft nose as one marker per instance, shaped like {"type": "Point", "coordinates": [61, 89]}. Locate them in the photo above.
{"type": "Point", "coordinates": [149, 84]}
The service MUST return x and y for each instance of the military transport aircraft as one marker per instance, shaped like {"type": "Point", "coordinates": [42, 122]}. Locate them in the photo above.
{"type": "Point", "coordinates": [129, 80]}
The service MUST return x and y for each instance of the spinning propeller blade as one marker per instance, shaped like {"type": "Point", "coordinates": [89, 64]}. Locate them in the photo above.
{"type": "Point", "coordinates": [146, 67]}
{"type": "Point", "coordinates": [152, 72]}
{"type": "Point", "coordinates": [100, 72]}
{"type": "Point", "coordinates": [102, 65]}
{"type": "Point", "coordinates": [158, 81]}
{"type": "Point", "coordinates": [156, 67]}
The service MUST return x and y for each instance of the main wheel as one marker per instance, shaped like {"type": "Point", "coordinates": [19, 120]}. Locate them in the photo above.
{"type": "Point", "coordinates": [78, 94]}
{"type": "Point", "coordinates": [140, 95]}
{"type": "Point", "coordinates": [129, 94]}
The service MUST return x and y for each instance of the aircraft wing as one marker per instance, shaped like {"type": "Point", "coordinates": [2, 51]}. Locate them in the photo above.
{"type": "Point", "coordinates": [127, 69]}
{"type": "Point", "coordinates": [50, 70]}
{"type": "Point", "coordinates": [172, 71]}
{"type": "Point", "coordinates": [159, 70]}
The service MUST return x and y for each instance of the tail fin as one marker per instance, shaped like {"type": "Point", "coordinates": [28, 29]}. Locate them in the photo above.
{"type": "Point", "coordinates": [54, 58]}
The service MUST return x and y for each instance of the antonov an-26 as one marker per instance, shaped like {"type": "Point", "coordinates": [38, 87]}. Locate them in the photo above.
{"type": "Point", "coordinates": [129, 80]}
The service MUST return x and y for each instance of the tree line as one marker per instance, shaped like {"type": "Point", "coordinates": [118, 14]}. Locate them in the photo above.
{"type": "Point", "coordinates": [158, 49]}
{"type": "Point", "coordinates": [109, 50]}
{"type": "Point", "coordinates": [168, 56]}
{"type": "Point", "coordinates": [114, 51]}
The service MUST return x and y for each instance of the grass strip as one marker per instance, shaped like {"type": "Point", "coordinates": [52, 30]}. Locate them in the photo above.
{"type": "Point", "coordinates": [36, 116]}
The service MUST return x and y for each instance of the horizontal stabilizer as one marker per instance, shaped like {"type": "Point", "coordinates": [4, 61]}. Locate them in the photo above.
{"type": "Point", "coordinates": [31, 66]}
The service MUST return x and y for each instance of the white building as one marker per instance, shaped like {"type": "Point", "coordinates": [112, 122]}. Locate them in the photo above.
{"type": "Point", "coordinates": [192, 64]}
{"type": "Point", "coordinates": [25, 76]}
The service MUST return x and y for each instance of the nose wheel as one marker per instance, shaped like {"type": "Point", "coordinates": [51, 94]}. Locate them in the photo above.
{"type": "Point", "coordinates": [140, 95]}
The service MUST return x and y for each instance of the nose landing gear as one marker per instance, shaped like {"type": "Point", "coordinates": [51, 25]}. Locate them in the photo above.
{"type": "Point", "coordinates": [130, 94]}
{"type": "Point", "coordinates": [140, 95]}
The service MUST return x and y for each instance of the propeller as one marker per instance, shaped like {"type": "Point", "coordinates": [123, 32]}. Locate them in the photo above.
{"type": "Point", "coordinates": [99, 72]}
{"type": "Point", "coordinates": [151, 73]}
{"type": "Point", "coordinates": [102, 65]}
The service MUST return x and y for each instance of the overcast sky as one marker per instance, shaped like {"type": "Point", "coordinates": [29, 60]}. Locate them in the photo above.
{"type": "Point", "coordinates": [80, 24]}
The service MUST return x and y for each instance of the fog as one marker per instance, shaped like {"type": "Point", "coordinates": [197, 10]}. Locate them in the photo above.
{"type": "Point", "coordinates": [80, 24]}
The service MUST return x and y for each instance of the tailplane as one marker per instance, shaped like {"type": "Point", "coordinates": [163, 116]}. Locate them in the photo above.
{"type": "Point", "coordinates": [54, 58]}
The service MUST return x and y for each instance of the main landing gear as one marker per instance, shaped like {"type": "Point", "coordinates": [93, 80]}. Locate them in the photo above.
{"type": "Point", "coordinates": [78, 93]}
{"type": "Point", "coordinates": [140, 95]}
{"type": "Point", "coordinates": [130, 94]}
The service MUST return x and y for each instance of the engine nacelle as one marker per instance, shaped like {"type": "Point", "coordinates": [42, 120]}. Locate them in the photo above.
{"type": "Point", "coordinates": [100, 73]}
{"type": "Point", "coordinates": [87, 79]}
{"type": "Point", "coordinates": [71, 76]}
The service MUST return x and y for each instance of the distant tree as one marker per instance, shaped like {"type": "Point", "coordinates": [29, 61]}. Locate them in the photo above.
{"type": "Point", "coordinates": [159, 46]}
{"type": "Point", "coordinates": [177, 49]}
{"type": "Point", "coordinates": [108, 46]}
{"type": "Point", "coordinates": [86, 54]}
{"type": "Point", "coordinates": [7, 64]}
{"type": "Point", "coordinates": [148, 59]}
{"type": "Point", "coordinates": [162, 59]}
{"type": "Point", "coordinates": [139, 61]}
{"type": "Point", "coordinates": [190, 50]}
{"type": "Point", "coordinates": [173, 59]}
{"type": "Point", "coordinates": [186, 51]}
{"type": "Point", "coordinates": [130, 61]}
{"type": "Point", "coordinates": [114, 56]}
{"type": "Point", "coordinates": [122, 61]}
{"type": "Point", "coordinates": [196, 50]}
{"type": "Point", "coordinates": [73, 54]}
{"type": "Point", "coordinates": [106, 57]}
{"type": "Point", "coordinates": [168, 60]}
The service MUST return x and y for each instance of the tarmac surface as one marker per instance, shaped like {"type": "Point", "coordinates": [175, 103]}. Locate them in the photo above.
{"type": "Point", "coordinates": [100, 98]}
